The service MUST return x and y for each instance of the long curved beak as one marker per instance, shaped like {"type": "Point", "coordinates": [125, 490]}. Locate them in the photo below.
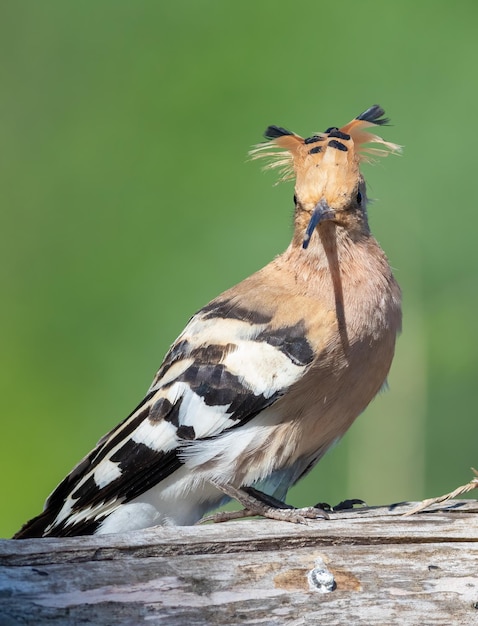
{"type": "Point", "coordinates": [321, 213]}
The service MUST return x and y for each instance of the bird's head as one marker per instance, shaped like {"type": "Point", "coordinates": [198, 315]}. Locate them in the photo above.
{"type": "Point", "coordinates": [328, 182]}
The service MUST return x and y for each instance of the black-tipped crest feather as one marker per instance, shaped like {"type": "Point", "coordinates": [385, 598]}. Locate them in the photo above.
{"type": "Point", "coordinates": [289, 152]}
{"type": "Point", "coordinates": [374, 115]}
{"type": "Point", "coordinates": [272, 132]}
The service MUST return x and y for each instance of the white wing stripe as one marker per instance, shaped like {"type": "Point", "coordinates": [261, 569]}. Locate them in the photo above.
{"type": "Point", "coordinates": [159, 436]}
{"type": "Point", "coordinates": [106, 473]}
{"type": "Point", "coordinates": [205, 419]}
{"type": "Point", "coordinates": [263, 368]}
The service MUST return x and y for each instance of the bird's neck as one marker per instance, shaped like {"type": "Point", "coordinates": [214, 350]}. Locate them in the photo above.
{"type": "Point", "coordinates": [333, 247]}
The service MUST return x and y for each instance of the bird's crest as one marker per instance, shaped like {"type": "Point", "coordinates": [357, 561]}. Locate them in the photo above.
{"type": "Point", "coordinates": [293, 154]}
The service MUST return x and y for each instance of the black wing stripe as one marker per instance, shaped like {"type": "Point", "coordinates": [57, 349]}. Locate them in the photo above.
{"type": "Point", "coordinates": [205, 375]}
{"type": "Point", "coordinates": [57, 498]}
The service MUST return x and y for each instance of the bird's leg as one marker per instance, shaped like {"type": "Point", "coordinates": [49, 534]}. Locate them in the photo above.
{"type": "Point", "coordinates": [257, 503]}
{"type": "Point", "coordinates": [265, 498]}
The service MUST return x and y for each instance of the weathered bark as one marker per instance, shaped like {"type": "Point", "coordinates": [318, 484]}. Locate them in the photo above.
{"type": "Point", "coordinates": [382, 568]}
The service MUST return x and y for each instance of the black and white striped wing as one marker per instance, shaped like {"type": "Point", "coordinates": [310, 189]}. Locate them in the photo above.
{"type": "Point", "coordinates": [227, 366]}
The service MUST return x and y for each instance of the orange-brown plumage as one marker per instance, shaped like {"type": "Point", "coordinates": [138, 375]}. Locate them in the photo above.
{"type": "Point", "coordinates": [265, 377]}
{"type": "Point", "coordinates": [332, 174]}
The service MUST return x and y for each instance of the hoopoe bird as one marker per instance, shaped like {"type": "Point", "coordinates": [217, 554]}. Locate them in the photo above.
{"type": "Point", "coordinates": [264, 378]}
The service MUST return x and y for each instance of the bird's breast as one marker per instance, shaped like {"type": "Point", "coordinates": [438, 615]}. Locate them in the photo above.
{"type": "Point", "coordinates": [353, 333]}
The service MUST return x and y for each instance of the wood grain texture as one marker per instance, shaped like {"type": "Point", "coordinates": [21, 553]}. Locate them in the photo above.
{"type": "Point", "coordinates": [387, 569]}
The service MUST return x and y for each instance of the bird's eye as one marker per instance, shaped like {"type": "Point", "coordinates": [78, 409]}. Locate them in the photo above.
{"type": "Point", "coordinates": [359, 198]}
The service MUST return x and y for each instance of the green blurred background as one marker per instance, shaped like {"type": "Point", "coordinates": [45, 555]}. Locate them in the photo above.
{"type": "Point", "coordinates": [128, 202]}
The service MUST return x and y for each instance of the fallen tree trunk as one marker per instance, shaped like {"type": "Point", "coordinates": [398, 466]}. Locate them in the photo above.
{"type": "Point", "coordinates": [367, 566]}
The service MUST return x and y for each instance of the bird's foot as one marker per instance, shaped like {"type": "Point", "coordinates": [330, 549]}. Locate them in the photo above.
{"type": "Point", "coordinates": [345, 505]}
{"type": "Point", "coordinates": [257, 503]}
